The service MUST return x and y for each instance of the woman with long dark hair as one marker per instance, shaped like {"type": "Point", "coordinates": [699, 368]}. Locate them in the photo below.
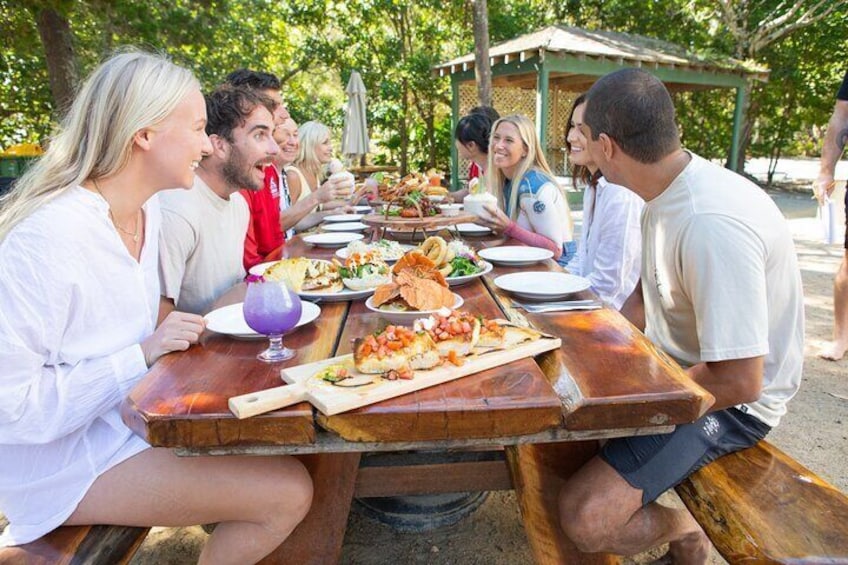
{"type": "Point", "coordinates": [610, 249]}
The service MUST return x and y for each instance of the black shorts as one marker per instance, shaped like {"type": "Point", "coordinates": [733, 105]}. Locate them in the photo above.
{"type": "Point", "coordinates": [658, 462]}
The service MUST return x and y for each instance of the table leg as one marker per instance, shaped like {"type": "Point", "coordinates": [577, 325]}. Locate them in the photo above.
{"type": "Point", "coordinates": [538, 471]}
{"type": "Point", "coordinates": [318, 539]}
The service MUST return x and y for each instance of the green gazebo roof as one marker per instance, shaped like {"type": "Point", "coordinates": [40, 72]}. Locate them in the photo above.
{"type": "Point", "coordinates": [575, 57]}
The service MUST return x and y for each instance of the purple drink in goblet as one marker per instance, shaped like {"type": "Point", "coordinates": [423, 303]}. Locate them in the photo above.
{"type": "Point", "coordinates": [271, 309]}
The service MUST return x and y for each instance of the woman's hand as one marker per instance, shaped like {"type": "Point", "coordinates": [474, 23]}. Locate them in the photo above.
{"type": "Point", "coordinates": [493, 218]}
{"type": "Point", "coordinates": [325, 192]}
{"type": "Point", "coordinates": [342, 185]}
{"type": "Point", "coordinates": [176, 333]}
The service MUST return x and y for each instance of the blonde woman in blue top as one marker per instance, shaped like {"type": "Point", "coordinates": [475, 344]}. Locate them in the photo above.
{"type": "Point", "coordinates": [532, 207]}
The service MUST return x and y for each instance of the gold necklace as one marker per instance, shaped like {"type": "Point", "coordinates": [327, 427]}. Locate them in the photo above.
{"type": "Point", "coordinates": [135, 235]}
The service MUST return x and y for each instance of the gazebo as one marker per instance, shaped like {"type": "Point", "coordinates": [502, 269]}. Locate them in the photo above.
{"type": "Point", "coordinates": [539, 73]}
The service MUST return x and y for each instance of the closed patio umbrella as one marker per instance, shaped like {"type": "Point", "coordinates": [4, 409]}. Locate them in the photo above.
{"type": "Point", "coordinates": [355, 134]}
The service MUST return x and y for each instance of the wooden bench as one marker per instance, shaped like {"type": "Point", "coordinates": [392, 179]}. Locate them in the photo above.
{"type": "Point", "coordinates": [761, 506]}
{"type": "Point", "coordinates": [78, 545]}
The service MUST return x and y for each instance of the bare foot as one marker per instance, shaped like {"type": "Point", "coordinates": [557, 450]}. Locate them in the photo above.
{"type": "Point", "coordinates": [693, 549]}
{"type": "Point", "coordinates": [833, 351]}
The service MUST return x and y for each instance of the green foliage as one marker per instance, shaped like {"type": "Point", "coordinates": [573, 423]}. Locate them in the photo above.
{"type": "Point", "coordinates": [315, 44]}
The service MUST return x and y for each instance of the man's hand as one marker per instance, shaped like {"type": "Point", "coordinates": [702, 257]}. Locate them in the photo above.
{"type": "Point", "coordinates": [823, 186]}
{"type": "Point", "coordinates": [176, 333]}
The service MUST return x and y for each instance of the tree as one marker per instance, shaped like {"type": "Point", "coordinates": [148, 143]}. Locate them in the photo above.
{"type": "Point", "coordinates": [482, 68]}
{"type": "Point", "coordinates": [57, 39]}
{"type": "Point", "coordinates": [754, 27]}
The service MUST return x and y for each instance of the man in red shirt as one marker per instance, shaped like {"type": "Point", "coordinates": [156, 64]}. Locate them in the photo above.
{"type": "Point", "coordinates": [264, 240]}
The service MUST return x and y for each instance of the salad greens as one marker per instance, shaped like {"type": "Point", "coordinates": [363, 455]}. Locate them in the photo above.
{"type": "Point", "coordinates": [463, 266]}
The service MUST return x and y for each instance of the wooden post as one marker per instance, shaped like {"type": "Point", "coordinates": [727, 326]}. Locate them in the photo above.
{"type": "Point", "coordinates": [542, 102]}
{"type": "Point", "coordinates": [737, 129]}
{"type": "Point", "coordinates": [334, 477]}
{"type": "Point", "coordinates": [538, 472]}
{"type": "Point", "coordinates": [454, 121]}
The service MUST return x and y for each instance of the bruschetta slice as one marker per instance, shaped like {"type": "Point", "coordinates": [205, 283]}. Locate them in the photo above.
{"type": "Point", "coordinates": [503, 334]}
{"type": "Point", "coordinates": [395, 348]}
{"type": "Point", "coordinates": [454, 332]}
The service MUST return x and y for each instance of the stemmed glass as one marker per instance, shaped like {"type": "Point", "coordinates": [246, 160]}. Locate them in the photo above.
{"type": "Point", "coordinates": [272, 309]}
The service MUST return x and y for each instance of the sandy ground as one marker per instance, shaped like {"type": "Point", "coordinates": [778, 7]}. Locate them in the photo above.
{"type": "Point", "coordinates": [815, 432]}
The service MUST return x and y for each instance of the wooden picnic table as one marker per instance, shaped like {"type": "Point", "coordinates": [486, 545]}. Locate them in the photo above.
{"type": "Point", "coordinates": [607, 380]}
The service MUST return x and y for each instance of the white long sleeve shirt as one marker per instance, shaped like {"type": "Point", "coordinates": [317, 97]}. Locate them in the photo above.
{"type": "Point", "coordinates": [609, 253]}
{"type": "Point", "coordinates": [74, 307]}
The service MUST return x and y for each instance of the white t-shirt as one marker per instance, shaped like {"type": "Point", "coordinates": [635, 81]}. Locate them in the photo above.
{"type": "Point", "coordinates": [202, 244]}
{"type": "Point", "coordinates": [74, 307]}
{"type": "Point", "coordinates": [721, 281]}
{"type": "Point", "coordinates": [609, 252]}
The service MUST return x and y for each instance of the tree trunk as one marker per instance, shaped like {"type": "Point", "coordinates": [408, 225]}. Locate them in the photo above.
{"type": "Point", "coordinates": [482, 69]}
{"type": "Point", "coordinates": [57, 38]}
{"type": "Point", "coordinates": [430, 122]}
{"type": "Point", "coordinates": [404, 125]}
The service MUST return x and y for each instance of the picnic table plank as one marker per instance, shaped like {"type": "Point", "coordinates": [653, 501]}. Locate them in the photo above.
{"type": "Point", "coordinates": [167, 409]}
{"type": "Point", "coordinates": [606, 367]}
{"type": "Point", "coordinates": [497, 402]}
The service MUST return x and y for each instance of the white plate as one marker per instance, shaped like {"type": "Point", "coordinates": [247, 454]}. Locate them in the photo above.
{"type": "Point", "coordinates": [259, 269]}
{"type": "Point", "coordinates": [344, 252]}
{"type": "Point", "coordinates": [472, 229]}
{"type": "Point", "coordinates": [344, 217]}
{"type": "Point", "coordinates": [515, 255]}
{"type": "Point", "coordinates": [229, 320]}
{"type": "Point", "coordinates": [341, 296]}
{"type": "Point", "coordinates": [331, 239]}
{"type": "Point", "coordinates": [406, 318]}
{"type": "Point", "coordinates": [456, 281]}
{"type": "Point", "coordinates": [345, 227]}
{"type": "Point", "coordinates": [541, 285]}
{"type": "Point", "coordinates": [362, 209]}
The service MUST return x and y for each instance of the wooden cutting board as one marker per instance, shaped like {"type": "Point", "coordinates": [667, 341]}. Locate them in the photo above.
{"type": "Point", "coordinates": [331, 399]}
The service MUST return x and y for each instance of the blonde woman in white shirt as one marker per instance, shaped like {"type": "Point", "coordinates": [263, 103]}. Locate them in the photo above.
{"type": "Point", "coordinates": [609, 252]}
{"type": "Point", "coordinates": [308, 173]}
{"type": "Point", "coordinates": [78, 305]}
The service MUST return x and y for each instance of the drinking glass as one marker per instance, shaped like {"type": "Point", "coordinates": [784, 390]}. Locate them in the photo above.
{"type": "Point", "coordinates": [272, 309]}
